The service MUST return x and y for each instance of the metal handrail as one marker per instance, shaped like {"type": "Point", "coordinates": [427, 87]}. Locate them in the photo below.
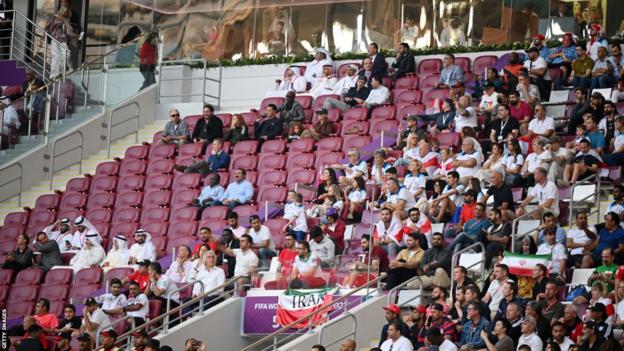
{"type": "Point", "coordinates": [178, 290]}
{"type": "Point", "coordinates": [586, 181]}
{"type": "Point", "coordinates": [7, 182]}
{"type": "Point", "coordinates": [466, 249]}
{"type": "Point", "coordinates": [111, 124]}
{"type": "Point", "coordinates": [111, 325]}
{"type": "Point", "coordinates": [514, 227]}
{"type": "Point", "coordinates": [34, 25]}
{"type": "Point", "coordinates": [347, 314]}
{"type": "Point", "coordinates": [308, 317]}
{"type": "Point", "coordinates": [165, 317]}
{"type": "Point", "coordinates": [205, 67]}
{"type": "Point", "coordinates": [396, 289]}
{"type": "Point", "coordinates": [54, 155]}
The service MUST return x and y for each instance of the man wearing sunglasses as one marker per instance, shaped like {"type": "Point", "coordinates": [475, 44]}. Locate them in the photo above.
{"type": "Point", "coordinates": [176, 131]}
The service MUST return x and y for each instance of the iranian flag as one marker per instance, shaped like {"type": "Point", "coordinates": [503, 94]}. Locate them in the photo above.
{"type": "Point", "coordinates": [294, 304]}
{"type": "Point", "coordinates": [520, 264]}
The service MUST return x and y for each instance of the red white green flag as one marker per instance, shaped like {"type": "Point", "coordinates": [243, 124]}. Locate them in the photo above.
{"type": "Point", "coordinates": [520, 264]}
{"type": "Point", "coordinates": [294, 304]}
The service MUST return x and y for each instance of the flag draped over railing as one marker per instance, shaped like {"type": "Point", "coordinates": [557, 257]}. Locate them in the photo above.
{"type": "Point", "coordinates": [520, 264]}
{"type": "Point", "coordinates": [294, 304]}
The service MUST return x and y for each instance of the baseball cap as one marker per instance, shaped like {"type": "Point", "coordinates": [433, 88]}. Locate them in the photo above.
{"type": "Point", "coordinates": [393, 308]}
{"type": "Point", "coordinates": [321, 111]}
{"type": "Point", "coordinates": [539, 37]}
{"type": "Point", "coordinates": [141, 332]}
{"type": "Point", "coordinates": [420, 308]}
{"type": "Point", "coordinates": [144, 263]}
{"type": "Point", "coordinates": [332, 211]}
{"type": "Point", "coordinates": [90, 301]}
{"type": "Point", "coordinates": [488, 84]}
{"type": "Point", "coordinates": [110, 333]}
{"type": "Point", "coordinates": [84, 336]}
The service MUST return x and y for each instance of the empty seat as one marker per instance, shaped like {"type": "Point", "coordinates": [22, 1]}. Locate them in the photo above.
{"type": "Point", "coordinates": [408, 96]}
{"type": "Point", "coordinates": [29, 276]}
{"type": "Point", "coordinates": [246, 162]}
{"type": "Point", "coordinates": [429, 82]}
{"type": "Point", "coordinates": [449, 139]}
{"type": "Point", "coordinates": [118, 272]}
{"type": "Point", "coordinates": [271, 162]}
{"type": "Point", "coordinates": [183, 198]}
{"type": "Point", "coordinates": [73, 201]}
{"type": "Point", "coordinates": [249, 117]}
{"type": "Point", "coordinates": [78, 185]}
{"type": "Point", "coordinates": [58, 276]}
{"type": "Point", "coordinates": [214, 212]}
{"type": "Point", "coordinates": [91, 275]}
{"type": "Point", "coordinates": [4, 293]}
{"type": "Point", "coordinates": [384, 112]}
{"type": "Point", "coordinates": [272, 178]}
{"type": "Point", "coordinates": [482, 63]}
{"type": "Point", "coordinates": [327, 158]}
{"type": "Point", "coordinates": [430, 66]}
{"type": "Point", "coordinates": [161, 151]}
{"type": "Point", "coordinates": [156, 199]}
{"type": "Point", "coordinates": [273, 147]}
{"type": "Point", "coordinates": [128, 199]}
{"type": "Point", "coordinates": [355, 141]}
{"type": "Point", "coordinates": [277, 101]}
{"type": "Point", "coordinates": [272, 195]}
{"type": "Point", "coordinates": [134, 167]}
{"type": "Point", "coordinates": [186, 181]}
{"type": "Point", "coordinates": [16, 218]}
{"type": "Point", "coordinates": [276, 225]}
{"type": "Point", "coordinates": [160, 166]}
{"type": "Point", "coordinates": [6, 275]}
{"type": "Point", "coordinates": [175, 241]}
{"type": "Point", "coordinates": [154, 215]}
{"type": "Point", "coordinates": [130, 183]}
{"type": "Point", "coordinates": [79, 293]}
{"type": "Point", "coordinates": [304, 100]}
{"type": "Point", "coordinates": [301, 176]}
{"type": "Point", "coordinates": [351, 128]}
{"type": "Point", "coordinates": [300, 161]}
{"type": "Point", "coordinates": [184, 214]}
{"type": "Point", "coordinates": [377, 126]}
{"type": "Point", "coordinates": [126, 215]}
{"type": "Point", "coordinates": [110, 168]}
{"type": "Point", "coordinates": [329, 144]}
{"type": "Point", "coordinates": [409, 82]}
{"type": "Point", "coordinates": [355, 114]}
{"type": "Point", "coordinates": [70, 213]}
{"type": "Point", "coordinates": [318, 103]}
{"type": "Point", "coordinates": [155, 228]}
{"type": "Point", "coordinates": [48, 202]}
{"type": "Point", "coordinates": [102, 228]}
{"type": "Point", "coordinates": [20, 309]}
{"type": "Point", "coordinates": [247, 147]}
{"type": "Point", "coordinates": [434, 94]}
{"type": "Point", "coordinates": [101, 200]}
{"type": "Point", "coordinates": [11, 232]}
{"type": "Point", "coordinates": [39, 219]}
{"type": "Point", "coordinates": [54, 292]}
{"type": "Point", "coordinates": [137, 152]}
{"type": "Point", "coordinates": [155, 182]}
{"type": "Point", "coordinates": [182, 229]}
{"type": "Point", "coordinates": [125, 229]}
{"type": "Point", "coordinates": [226, 118]}
{"type": "Point", "coordinates": [103, 184]}
{"type": "Point", "coordinates": [191, 121]}
{"type": "Point", "coordinates": [99, 215]}
{"type": "Point", "coordinates": [301, 145]}
{"type": "Point", "coordinates": [464, 63]}
{"type": "Point", "coordinates": [246, 210]}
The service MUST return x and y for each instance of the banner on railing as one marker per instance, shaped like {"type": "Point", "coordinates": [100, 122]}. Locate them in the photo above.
{"type": "Point", "coordinates": [520, 264]}
{"type": "Point", "coordinates": [294, 304]}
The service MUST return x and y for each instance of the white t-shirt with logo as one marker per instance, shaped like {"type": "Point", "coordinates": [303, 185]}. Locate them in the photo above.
{"type": "Point", "coordinates": [261, 235]}
{"type": "Point", "coordinates": [546, 192]}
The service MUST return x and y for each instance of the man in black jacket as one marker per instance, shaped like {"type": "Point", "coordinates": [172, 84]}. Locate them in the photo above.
{"type": "Point", "coordinates": [208, 128]}
{"type": "Point", "coordinates": [435, 267]}
{"type": "Point", "coordinates": [229, 241]}
{"type": "Point", "coordinates": [404, 62]}
{"type": "Point", "coordinates": [270, 126]}
{"type": "Point", "coordinates": [291, 111]}
{"type": "Point", "coordinates": [50, 252]}
{"type": "Point", "coordinates": [356, 95]}
{"type": "Point", "coordinates": [380, 66]}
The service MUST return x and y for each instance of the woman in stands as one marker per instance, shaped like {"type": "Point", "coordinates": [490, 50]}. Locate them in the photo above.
{"type": "Point", "coordinates": [198, 263]}
{"type": "Point", "coordinates": [357, 199]}
{"type": "Point", "coordinates": [238, 130]}
{"type": "Point", "coordinates": [513, 163]}
{"type": "Point", "coordinates": [329, 178]}
{"type": "Point", "coordinates": [496, 161]}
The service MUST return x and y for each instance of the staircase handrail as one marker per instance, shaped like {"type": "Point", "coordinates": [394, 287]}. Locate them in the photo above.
{"type": "Point", "coordinates": [256, 345]}
{"type": "Point", "coordinates": [514, 227]}
{"type": "Point", "coordinates": [456, 255]}
{"type": "Point", "coordinates": [591, 180]}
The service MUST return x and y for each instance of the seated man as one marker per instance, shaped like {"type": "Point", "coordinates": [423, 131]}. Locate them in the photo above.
{"type": "Point", "coordinates": [322, 129]}
{"type": "Point", "coordinates": [581, 69]}
{"type": "Point", "coordinates": [611, 236]}
{"type": "Point", "coordinates": [176, 131]}
{"type": "Point", "coordinates": [356, 95]}
{"type": "Point", "coordinates": [471, 231]}
{"type": "Point", "coordinates": [67, 326]}
{"type": "Point", "coordinates": [358, 270]}
{"type": "Point", "coordinates": [209, 128]}
{"type": "Point", "coordinates": [211, 193]}
{"type": "Point", "coordinates": [10, 120]}
{"type": "Point", "coordinates": [90, 254]}
{"type": "Point", "coordinates": [505, 127]}
{"type": "Point", "coordinates": [404, 62]}
{"type": "Point", "coordinates": [314, 69]}
{"type": "Point", "coordinates": [602, 72]}
{"type": "Point", "coordinates": [49, 249]}
{"type": "Point", "coordinates": [435, 267]}
{"type": "Point", "coordinates": [142, 249]}
{"type": "Point", "coordinates": [291, 111]}
{"type": "Point", "coordinates": [322, 246]}
{"type": "Point", "coordinates": [537, 68]}
{"type": "Point", "coordinates": [21, 257]}
{"type": "Point", "coordinates": [118, 255]}
{"type": "Point", "coordinates": [324, 85]}
{"type": "Point", "coordinates": [450, 74]}
{"type": "Point", "coordinates": [347, 82]}
{"type": "Point", "coordinates": [306, 268]}
{"type": "Point", "coordinates": [444, 120]}
{"type": "Point", "coordinates": [444, 206]}
{"type": "Point", "coordinates": [139, 276]}
{"type": "Point", "coordinates": [63, 235]}
{"type": "Point", "coordinates": [541, 125]}
{"type": "Point", "coordinates": [114, 301]}
{"type": "Point", "coordinates": [584, 165]}
{"type": "Point", "coordinates": [397, 198]}
{"type": "Point", "coordinates": [406, 264]}
{"type": "Point", "coordinates": [261, 238]}
{"type": "Point", "coordinates": [93, 317]}
{"type": "Point", "coordinates": [557, 252]}
{"type": "Point", "coordinates": [378, 94]}
{"type": "Point", "coordinates": [238, 192]}
{"type": "Point", "coordinates": [529, 92]}
{"type": "Point", "coordinates": [545, 192]}
{"type": "Point", "coordinates": [269, 126]}
{"type": "Point", "coordinates": [355, 167]}
{"type": "Point", "coordinates": [218, 159]}
{"type": "Point", "coordinates": [389, 231]}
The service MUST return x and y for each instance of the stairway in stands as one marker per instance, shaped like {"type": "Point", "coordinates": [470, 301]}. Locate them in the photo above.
{"type": "Point", "coordinates": [88, 166]}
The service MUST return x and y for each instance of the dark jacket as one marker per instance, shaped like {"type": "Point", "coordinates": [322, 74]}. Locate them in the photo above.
{"type": "Point", "coordinates": [269, 128]}
{"type": "Point", "coordinates": [50, 254]}
{"type": "Point", "coordinates": [208, 131]}
{"type": "Point", "coordinates": [405, 64]}
{"type": "Point", "coordinates": [380, 66]}
{"type": "Point", "coordinates": [292, 112]}
{"type": "Point", "coordinates": [231, 260]}
{"type": "Point", "coordinates": [234, 135]}
{"type": "Point", "coordinates": [354, 93]}
{"type": "Point", "coordinates": [218, 161]}
{"type": "Point", "coordinates": [437, 258]}
{"type": "Point", "coordinates": [442, 119]}
{"type": "Point", "coordinates": [21, 260]}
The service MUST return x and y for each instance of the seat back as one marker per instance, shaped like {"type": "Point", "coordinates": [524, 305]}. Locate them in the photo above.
{"type": "Point", "coordinates": [58, 276]}
{"type": "Point", "coordinates": [91, 275]}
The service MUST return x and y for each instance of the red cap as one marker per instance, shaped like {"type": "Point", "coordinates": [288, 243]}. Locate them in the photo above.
{"type": "Point", "coordinates": [421, 309]}
{"type": "Point", "coordinates": [539, 37]}
{"type": "Point", "coordinates": [393, 308]}
{"type": "Point", "coordinates": [596, 27]}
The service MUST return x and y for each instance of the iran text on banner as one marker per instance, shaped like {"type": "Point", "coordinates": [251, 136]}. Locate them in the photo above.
{"type": "Point", "coordinates": [294, 304]}
{"type": "Point", "coordinates": [523, 264]}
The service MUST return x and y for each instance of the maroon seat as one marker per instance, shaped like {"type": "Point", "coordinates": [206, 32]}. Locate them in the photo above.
{"type": "Point", "coordinates": [482, 63]}
{"type": "Point", "coordinates": [226, 118]}
{"type": "Point", "coordinates": [16, 218]}
{"type": "Point", "coordinates": [410, 109]}
{"type": "Point", "coordinates": [318, 103]}
{"type": "Point", "coordinates": [154, 308]}
{"type": "Point", "coordinates": [355, 141]}
{"type": "Point", "coordinates": [175, 241]}
{"type": "Point", "coordinates": [92, 275]}
{"type": "Point", "coordinates": [246, 162]}
{"type": "Point", "coordinates": [301, 176]}
{"type": "Point", "coordinates": [301, 145]}
{"type": "Point", "coordinates": [277, 101]}
{"type": "Point", "coordinates": [273, 147]}
{"type": "Point", "coordinates": [183, 198]}
{"type": "Point", "coordinates": [304, 100]}
{"type": "Point", "coordinates": [102, 228]}
{"type": "Point", "coordinates": [20, 309]}
{"type": "Point", "coordinates": [70, 213]}
{"type": "Point", "coordinates": [48, 202]}
{"type": "Point", "coordinates": [246, 210]}
{"type": "Point", "coordinates": [271, 162]}
{"type": "Point", "coordinates": [125, 229]}
{"type": "Point", "coordinates": [109, 168]}
{"type": "Point", "coordinates": [156, 182]}
{"type": "Point", "coordinates": [22, 293]}
{"type": "Point", "coordinates": [464, 63]}
{"type": "Point", "coordinates": [386, 125]}
{"type": "Point", "coordinates": [184, 214]}
{"type": "Point", "coordinates": [118, 272]}
{"type": "Point", "coordinates": [156, 199]}
{"type": "Point", "coordinates": [58, 276]}
{"type": "Point", "coordinates": [137, 152]}
{"type": "Point", "coordinates": [190, 150]}
{"type": "Point", "coordinates": [409, 82]}
{"type": "Point", "coordinates": [161, 151]}
{"type": "Point", "coordinates": [355, 114]}
{"type": "Point", "coordinates": [79, 293]}
{"type": "Point", "coordinates": [329, 144]}
{"type": "Point", "coordinates": [11, 232]}
{"type": "Point", "coordinates": [57, 308]}
{"type": "Point", "coordinates": [352, 128]}
{"type": "Point", "coordinates": [4, 293]}
{"type": "Point", "coordinates": [6, 275]}
{"type": "Point", "coordinates": [276, 225]}
{"type": "Point", "coordinates": [134, 167]}
{"type": "Point", "coordinates": [247, 147]}
{"type": "Point", "coordinates": [160, 166]}
{"type": "Point", "coordinates": [78, 185]}
{"type": "Point", "coordinates": [126, 215]}
{"type": "Point", "coordinates": [434, 94]}
{"type": "Point", "coordinates": [99, 215]}
{"type": "Point", "coordinates": [128, 199]}
{"type": "Point", "coordinates": [103, 184]}
{"type": "Point", "coordinates": [156, 228]}
{"type": "Point", "coordinates": [100, 200]}
{"type": "Point", "coordinates": [186, 181]}
{"type": "Point", "coordinates": [271, 194]}
{"type": "Point", "coordinates": [182, 229]}
{"type": "Point", "coordinates": [300, 161]}
{"type": "Point", "coordinates": [327, 158]}
{"type": "Point", "coordinates": [7, 246]}
{"type": "Point", "coordinates": [54, 292]}
{"type": "Point", "coordinates": [160, 243]}
{"type": "Point", "coordinates": [214, 212]}
{"type": "Point", "coordinates": [272, 178]}
{"type": "Point", "coordinates": [39, 219]}
{"type": "Point", "coordinates": [408, 96]}
{"type": "Point", "coordinates": [449, 139]}
{"type": "Point", "coordinates": [429, 82]}
{"type": "Point", "coordinates": [154, 215]}
{"type": "Point", "coordinates": [73, 201]}
{"type": "Point", "coordinates": [130, 183]}
{"type": "Point", "coordinates": [430, 66]}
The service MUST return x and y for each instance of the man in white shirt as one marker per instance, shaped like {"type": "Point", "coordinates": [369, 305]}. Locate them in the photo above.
{"type": "Point", "coordinates": [580, 239]}
{"type": "Point", "coordinates": [398, 198]}
{"type": "Point", "coordinates": [468, 162]}
{"type": "Point", "coordinates": [378, 94]}
{"type": "Point", "coordinates": [62, 236]}
{"type": "Point", "coordinates": [322, 246]}
{"type": "Point", "coordinates": [326, 84]}
{"type": "Point", "coordinates": [261, 238]}
{"type": "Point", "coordinates": [237, 229]}
{"type": "Point", "coordinates": [541, 125]}
{"type": "Point", "coordinates": [545, 192]}
{"type": "Point", "coordinates": [489, 99]}
{"type": "Point", "coordinates": [559, 336]}
{"type": "Point", "coordinates": [396, 341]}
{"type": "Point", "coordinates": [9, 116]}
{"type": "Point", "coordinates": [142, 249]}
{"type": "Point", "coordinates": [347, 82]}
{"type": "Point", "coordinates": [355, 167]}
{"type": "Point", "coordinates": [556, 250]}
{"type": "Point", "coordinates": [494, 294]}
{"type": "Point", "coordinates": [295, 214]}
{"type": "Point", "coordinates": [529, 336]}
{"type": "Point", "coordinates": [93, 317]}
{"type": "Point", "coordinates": [538, 70]}
{"type": "Point", "coordinates": [84, 228]}
{"type": "Point", "coordinates": [114, 301]}
{"type": "Point", "coordinates": [137, 305]}
{"type": "Point", "coordinates": [306, 268]}
{"type": "Point", "coordinates": [246, 259]}
{"type": "Point", "coordinates": [160, 287]}
{"type": "Point", "coordinates": [466, 114]}
{"type": "Point", "coordinates": [314, 69]}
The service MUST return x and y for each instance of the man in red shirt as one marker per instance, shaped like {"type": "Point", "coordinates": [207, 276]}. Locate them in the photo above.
{"type": "Point", "coordinates": [518, 109]}
{"type": "Point", "coordinates": [148, 57]}
{"type": "Point", "coordinates": [359, 270]}
{"type": "Point", "coordinates": [286, 258]}
{"type": "Point", "coordinates": [205, 237]}
{"type": "Point", "coordinates": [140, 276]}
{"type": "Point", "coordinates": [46, 320]}
{"type": "Point", "coordinates": [335, 228]}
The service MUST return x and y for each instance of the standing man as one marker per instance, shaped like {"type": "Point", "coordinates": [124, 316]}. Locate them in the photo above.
{"type": "Point", "coordinates": [380, 66]}
{"type": "Point", "coordinates": [404, 62]}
